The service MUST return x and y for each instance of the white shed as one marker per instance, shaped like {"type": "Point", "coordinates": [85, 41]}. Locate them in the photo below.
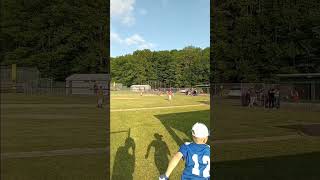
{"type": "Point", "coordinates": [139, 88]}
{"type": "Point", "coordinates": [87, 83]}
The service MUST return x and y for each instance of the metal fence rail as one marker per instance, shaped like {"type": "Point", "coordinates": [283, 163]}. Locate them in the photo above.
{"type": "Point", "coordinates": [288, 92]}
{"type": "Point", "coordinates": [305, 92]}
{"type": "Point", "coordinates": [159, 91]}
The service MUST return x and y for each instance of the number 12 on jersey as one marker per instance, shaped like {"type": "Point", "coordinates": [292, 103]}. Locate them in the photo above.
{"type": "Point", "coordinates": [196, 170]}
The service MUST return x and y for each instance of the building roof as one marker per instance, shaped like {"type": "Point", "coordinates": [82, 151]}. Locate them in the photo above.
{"type": "Point", "coordinates": [140, 85]}
{"type": "Point", "coordinates": [88, 77]}
{"type": "Point", "coordinates": [301, 75]}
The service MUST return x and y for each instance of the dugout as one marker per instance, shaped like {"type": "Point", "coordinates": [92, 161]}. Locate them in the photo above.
{"type": "Point", "coordinates": [86, 84]}
{"type": "Point", "coordinates": [308, 84]}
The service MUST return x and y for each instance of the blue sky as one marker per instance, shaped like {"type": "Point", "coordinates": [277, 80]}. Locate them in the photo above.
{"type": "Point", "coordinates": [158, 25]}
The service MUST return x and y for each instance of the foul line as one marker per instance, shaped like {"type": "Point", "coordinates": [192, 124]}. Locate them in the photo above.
{"type": "Point", "coordinates": [151, 108]}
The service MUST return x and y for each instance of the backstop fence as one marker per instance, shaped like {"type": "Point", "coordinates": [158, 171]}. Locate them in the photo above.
{"type": "Point", "coordinates": [299, 96]}
{"type": "Point", "coordinates": [289, 92]}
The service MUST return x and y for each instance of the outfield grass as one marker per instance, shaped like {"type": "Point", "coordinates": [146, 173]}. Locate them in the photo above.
{"type": "Point", "coordinates": [242, 122]}
{"type": "Point", "coordinates": [45, 123]}
{"type": "Point", "coordinates": [232, 160]}
{"type": "Point", "coordinates": [74, 167]}
{"type": "Point", "coordinates": [42, 123]}
{"type": "Point", "coordinates": [292, 159]}
{"type": "Point", "coordinates": [173, 124]}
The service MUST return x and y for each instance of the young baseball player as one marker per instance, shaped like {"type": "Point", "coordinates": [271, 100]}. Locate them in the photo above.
{"type": "Point", "coordinates": [196, 155]}
{"type": "Point", "coordinates": [170, 94]}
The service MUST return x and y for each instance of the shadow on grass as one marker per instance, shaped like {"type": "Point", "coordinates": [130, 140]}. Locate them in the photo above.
{"type": "Point", "coordinates": [183, 122]}
{"type": "Point", "coordinates": [291, 167]}
{"type": "Point", "coordinates": [204, 102]}
{"type": "Point", "coordinates": [161, 154]}
{"type": "Point", "coordinates": [124, 162]}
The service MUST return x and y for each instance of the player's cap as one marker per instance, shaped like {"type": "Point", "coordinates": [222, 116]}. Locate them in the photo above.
{"type": "Point", "coordinates": [200, 130]}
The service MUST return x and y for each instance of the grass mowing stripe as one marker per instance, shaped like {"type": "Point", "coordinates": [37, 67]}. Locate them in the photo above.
{"type": "Point", "coordinates": [73, 151]}
{"type": "Point", "coordinates": [152, 108]}
{"type": "Point", "coordinates": [254, 140]}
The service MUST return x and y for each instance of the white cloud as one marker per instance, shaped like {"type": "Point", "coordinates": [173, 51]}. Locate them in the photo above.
{"type": "Point", "coordinates": [115, 38]}
{"type": "Point", "coordinates": [135, 41]}
{"type": "Point", "coordinates": [123, 10]}
{"type": "Point", "coordinates": [138, 41]}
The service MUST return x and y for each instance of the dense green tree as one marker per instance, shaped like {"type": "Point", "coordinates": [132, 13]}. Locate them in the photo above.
{"type": "Point", "coordinates": [253, 40]}
{"type": "Point", "coordinates": [175, 68]}
{"type": "Point", "coordinates": [57, 36]}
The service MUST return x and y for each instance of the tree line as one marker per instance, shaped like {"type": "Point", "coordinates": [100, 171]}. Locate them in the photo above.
{"type": "Point", "coordinates": [58, 37]}
{"type": "Point", "coordinates": [253, 40]}
{"type": "Point", "coordinates": [172, 68]}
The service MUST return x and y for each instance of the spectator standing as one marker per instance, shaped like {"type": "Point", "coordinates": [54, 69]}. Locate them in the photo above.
{"type": "Point", "coordinates": [277, 98]}
{"type": "Point", "coordinates": [261, 97]}
{"type": "Point", "coordinates": [295, 95]}
{"type": "Point", "coordinates": [253, 97]}
{"type": "Point", "coordinates": [266, 97]}
{"type": "Point", "coordinates": [271, 98]}
{"type": "Point", "coordinates": [247, 98]}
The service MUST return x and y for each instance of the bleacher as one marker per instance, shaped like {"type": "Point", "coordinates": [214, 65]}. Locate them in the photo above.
{"type": "Point", "coordinates": [10, 87]}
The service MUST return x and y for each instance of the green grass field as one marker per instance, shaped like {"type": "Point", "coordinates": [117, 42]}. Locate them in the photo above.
{"type": "Point", "coordinates": [245, 153]}
{"type": "Point", "coordinates": [45, 124]}
{"type": "Point", "coordinates": [240, 150]}
{"type": "Point", "coordinates": [41, 123]}
{"type": "Point", "coordinates": [173, 123]}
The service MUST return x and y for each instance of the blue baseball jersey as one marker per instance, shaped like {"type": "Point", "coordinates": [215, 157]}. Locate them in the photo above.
{"type": "Point", "coordinates": [197, 161]}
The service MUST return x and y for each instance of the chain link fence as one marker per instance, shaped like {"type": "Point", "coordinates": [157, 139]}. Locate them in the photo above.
{"type": "Point", "coordinates": [304, 95]}
{"type": "Point", "coordinates": [51, 88]}
{"type": "Point", "coordinates": [191, 91]}
{"type": "Point", "coordinates": [291, 92]}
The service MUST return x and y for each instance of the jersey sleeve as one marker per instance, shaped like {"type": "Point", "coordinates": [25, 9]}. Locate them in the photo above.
{"type": "Point", "coordinates": [183, 149]}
